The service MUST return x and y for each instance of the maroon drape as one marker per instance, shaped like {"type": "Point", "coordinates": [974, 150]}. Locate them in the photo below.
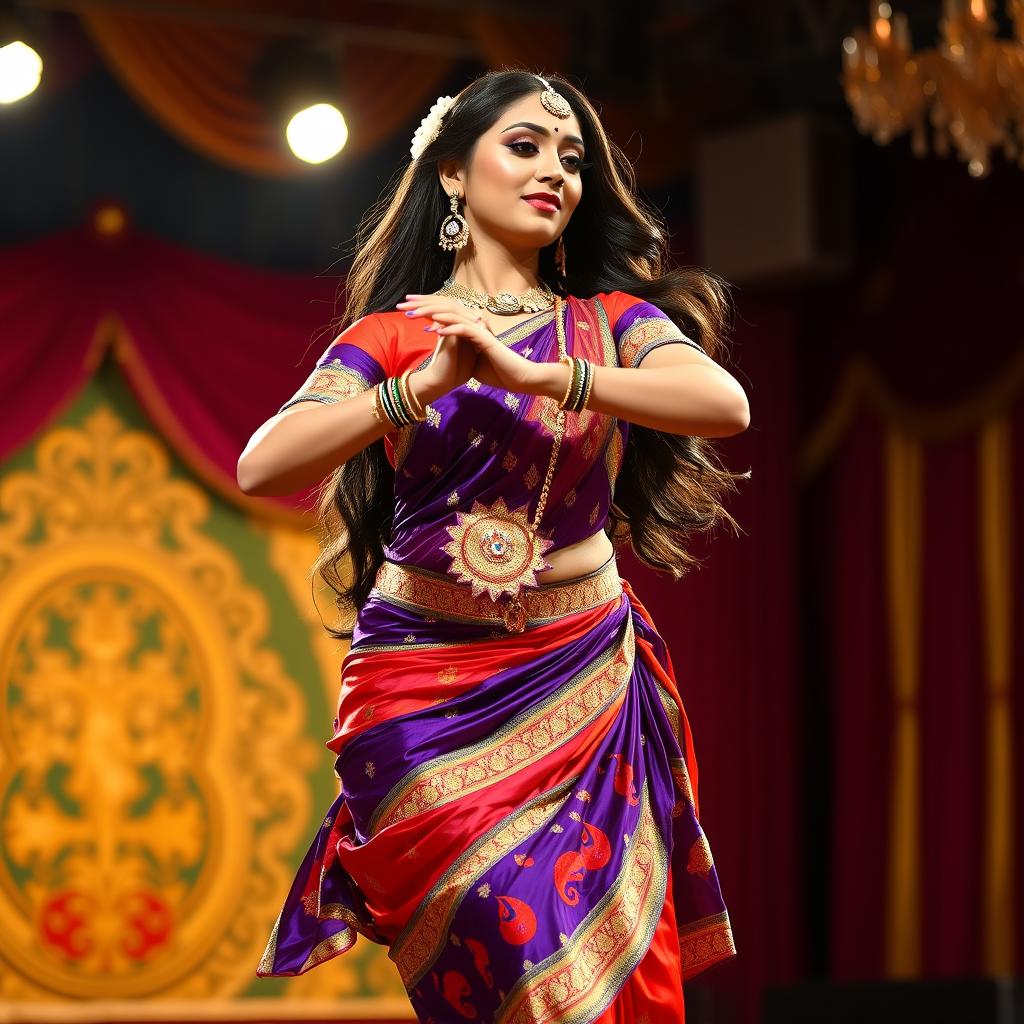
{"type": "Point", "coordinates": [951, 705]}
{"type": "Point", "coordinates": [210, 349]}
{"type": "Point", "coordinates": [849, 523]}
{"type": "Point", "coordinates": [924, 344]}
{"type": "Point", "coordinates": [952, 713]}
{"type": "Point", "coordinates": [860, 724]}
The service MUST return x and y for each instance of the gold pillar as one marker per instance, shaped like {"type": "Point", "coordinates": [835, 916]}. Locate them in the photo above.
{"type": "Point", "coordinates": [903, 485]}
{"type": "Point", "coordinates": [995, 483]}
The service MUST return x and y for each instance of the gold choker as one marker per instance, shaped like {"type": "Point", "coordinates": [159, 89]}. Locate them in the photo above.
{"type": "Point", "coordinates": [534, 300]}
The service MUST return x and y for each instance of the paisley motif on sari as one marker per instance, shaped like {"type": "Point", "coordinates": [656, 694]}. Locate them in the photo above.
{"type": "Point", "coordinates": [518, 819]}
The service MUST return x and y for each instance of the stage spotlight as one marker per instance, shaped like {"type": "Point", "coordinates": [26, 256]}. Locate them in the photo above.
{"type": "Point", "coordinates": [298, 84]}
{"type": "Point", "coordinates": [20, 70]}
{"type": "Point", "coordinates": [317, 133]}
{"type": "Point", "coordinates": [21, 67]}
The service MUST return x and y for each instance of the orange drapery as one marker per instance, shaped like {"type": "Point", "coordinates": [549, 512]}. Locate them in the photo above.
{"type": "Point", "coordinates": [192, 73]}
{"type": "Point", "coordinates": [194, 78]}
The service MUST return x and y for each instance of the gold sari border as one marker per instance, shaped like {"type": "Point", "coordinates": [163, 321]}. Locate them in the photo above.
{"type": "Point", "coordinates": [436, 596]}
{"type": "Point", "coordinates": [704, 943]}
{"type": "Point", "coordinates": [522, 741]}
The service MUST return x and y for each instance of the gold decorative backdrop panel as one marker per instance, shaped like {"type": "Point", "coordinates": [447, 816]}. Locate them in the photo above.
{"type": "Point", "coordinates": [161, 767]}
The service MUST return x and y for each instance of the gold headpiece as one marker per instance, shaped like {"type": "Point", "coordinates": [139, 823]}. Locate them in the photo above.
{"type": "Point", "coordinates": [553, 102]}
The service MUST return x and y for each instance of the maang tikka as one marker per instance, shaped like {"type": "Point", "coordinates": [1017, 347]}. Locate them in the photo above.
{"type": "Point", "coordinates": [454, 229]}
{"type": "Point", "coordinates": [554, 102]}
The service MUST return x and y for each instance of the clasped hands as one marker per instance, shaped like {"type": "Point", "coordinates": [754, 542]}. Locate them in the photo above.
{"type": "Point", "coordinates": [466, 347]}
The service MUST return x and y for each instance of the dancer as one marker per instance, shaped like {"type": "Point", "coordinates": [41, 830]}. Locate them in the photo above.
{"type": "Point", "coordinates": [518, 819]}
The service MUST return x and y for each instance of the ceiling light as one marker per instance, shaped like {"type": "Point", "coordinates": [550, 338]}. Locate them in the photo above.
{"type": "Point", "coordinates": [21, 67]}
{"type": "Point", "coordinates": [297, 82]}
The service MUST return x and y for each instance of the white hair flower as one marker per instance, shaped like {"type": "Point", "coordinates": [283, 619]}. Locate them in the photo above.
{"type": "Point", "coordinates": [430, 126]}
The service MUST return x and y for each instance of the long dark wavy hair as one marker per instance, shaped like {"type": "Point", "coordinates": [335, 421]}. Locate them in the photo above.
{"type": "Point", "coordinates": [670, 485]}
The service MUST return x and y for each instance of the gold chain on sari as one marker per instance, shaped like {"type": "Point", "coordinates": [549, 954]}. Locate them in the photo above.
{"type": "Point", "coordinates": [496, 549]}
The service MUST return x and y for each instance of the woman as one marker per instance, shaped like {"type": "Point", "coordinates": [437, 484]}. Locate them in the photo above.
{"type": "Point", "coordinates": [518, 820]}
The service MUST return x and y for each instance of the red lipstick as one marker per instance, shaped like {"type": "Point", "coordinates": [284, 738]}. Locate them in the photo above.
{"type": "Point", "coordinates": [546, 201]}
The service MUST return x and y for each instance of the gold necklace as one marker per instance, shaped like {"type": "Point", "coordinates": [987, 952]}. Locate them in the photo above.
{"type": "Point", "coordinates": [496, 549]}
{"type": "Point", "coordinates": [533, 300]}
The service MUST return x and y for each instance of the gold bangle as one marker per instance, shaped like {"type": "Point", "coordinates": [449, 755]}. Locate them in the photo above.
{"type": "Point", "coordinates": [572, 377]}
{"type": "Point", "coordinates": [404, 395]}
{"type": "Point", "coordinates": [418, 410]}
{"type": "Point", "coordinates": [377, 413]}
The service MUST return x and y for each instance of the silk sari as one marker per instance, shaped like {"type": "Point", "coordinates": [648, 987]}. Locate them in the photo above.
{"type": "Point", "coordinates": [518, 821]}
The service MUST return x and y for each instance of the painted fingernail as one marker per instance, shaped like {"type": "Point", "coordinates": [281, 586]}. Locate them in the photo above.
{"type": "Point", "coordinates": [410, 312]}
{"type": "Point", "coordinates": [429, 327]}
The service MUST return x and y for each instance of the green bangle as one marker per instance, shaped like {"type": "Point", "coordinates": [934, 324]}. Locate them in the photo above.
{"type": "Point", "coordinates": [396, 394]}
{"type": "Point", "coordinates": [389, 404]}
{"type": "Point", "coordinates": [586, 379]}
{"type": "Point", "coordinates": [580, 370]}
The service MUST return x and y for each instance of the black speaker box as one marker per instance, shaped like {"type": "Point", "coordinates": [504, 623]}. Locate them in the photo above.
{"type": "Point", "coordinates": [946, 1001]}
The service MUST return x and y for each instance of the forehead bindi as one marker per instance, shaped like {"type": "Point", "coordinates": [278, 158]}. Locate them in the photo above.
{"type": "Point", "coordinates": [532, 110]}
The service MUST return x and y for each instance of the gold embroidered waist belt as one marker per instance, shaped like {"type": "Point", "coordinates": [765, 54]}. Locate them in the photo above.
{"type": "Point", "coordinates": [437, 596]}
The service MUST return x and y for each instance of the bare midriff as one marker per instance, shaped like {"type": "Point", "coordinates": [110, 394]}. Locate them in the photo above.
{"type": "Point", "coordinates": [577, 559]}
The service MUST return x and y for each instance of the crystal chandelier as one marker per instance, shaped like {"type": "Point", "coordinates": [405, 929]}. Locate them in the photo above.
{"type": "Point", "coordinates": [970, 87]}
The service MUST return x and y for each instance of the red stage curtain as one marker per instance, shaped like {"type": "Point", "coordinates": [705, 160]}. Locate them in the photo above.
{"type": "Point", "coordinates": [914, 498]}
{"type": "Point", "coordinates": [924, 578]}
{"type": "Point", "coordinates": [193, 76]}
{"type": "Point", "coordinates": [210, 349]}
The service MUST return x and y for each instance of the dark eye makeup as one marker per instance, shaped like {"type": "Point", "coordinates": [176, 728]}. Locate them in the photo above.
{"type": "Point", "coordinates": [577, 163]}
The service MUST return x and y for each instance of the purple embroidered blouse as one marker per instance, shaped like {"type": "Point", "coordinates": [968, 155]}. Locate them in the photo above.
{"type": "Point", "coordinates": [481, 443]}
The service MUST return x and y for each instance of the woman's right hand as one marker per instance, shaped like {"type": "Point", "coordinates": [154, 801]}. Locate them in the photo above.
{"type": "Point", "coordinates": [451, 364]}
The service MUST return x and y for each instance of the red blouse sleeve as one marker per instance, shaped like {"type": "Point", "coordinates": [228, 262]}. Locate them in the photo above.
{"type": "Point", "coordinates": [358, 358]}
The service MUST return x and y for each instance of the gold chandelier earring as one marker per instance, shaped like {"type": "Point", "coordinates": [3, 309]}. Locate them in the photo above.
{"type": "Point", "coordinates": [560, 256]}
{"type": "Point", "coordinates": [454, 229]}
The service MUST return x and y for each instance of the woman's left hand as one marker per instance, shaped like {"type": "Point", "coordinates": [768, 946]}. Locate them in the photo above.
{"type": "Point", "coordinates": [496, 365]}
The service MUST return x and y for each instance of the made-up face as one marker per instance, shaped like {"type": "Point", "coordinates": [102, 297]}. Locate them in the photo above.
{"type": "Point", "coordinates": [523, 180]}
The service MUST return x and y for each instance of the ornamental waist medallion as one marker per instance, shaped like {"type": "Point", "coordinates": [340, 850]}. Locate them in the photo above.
{"type": "Point", "coordinates": [494, 549]}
